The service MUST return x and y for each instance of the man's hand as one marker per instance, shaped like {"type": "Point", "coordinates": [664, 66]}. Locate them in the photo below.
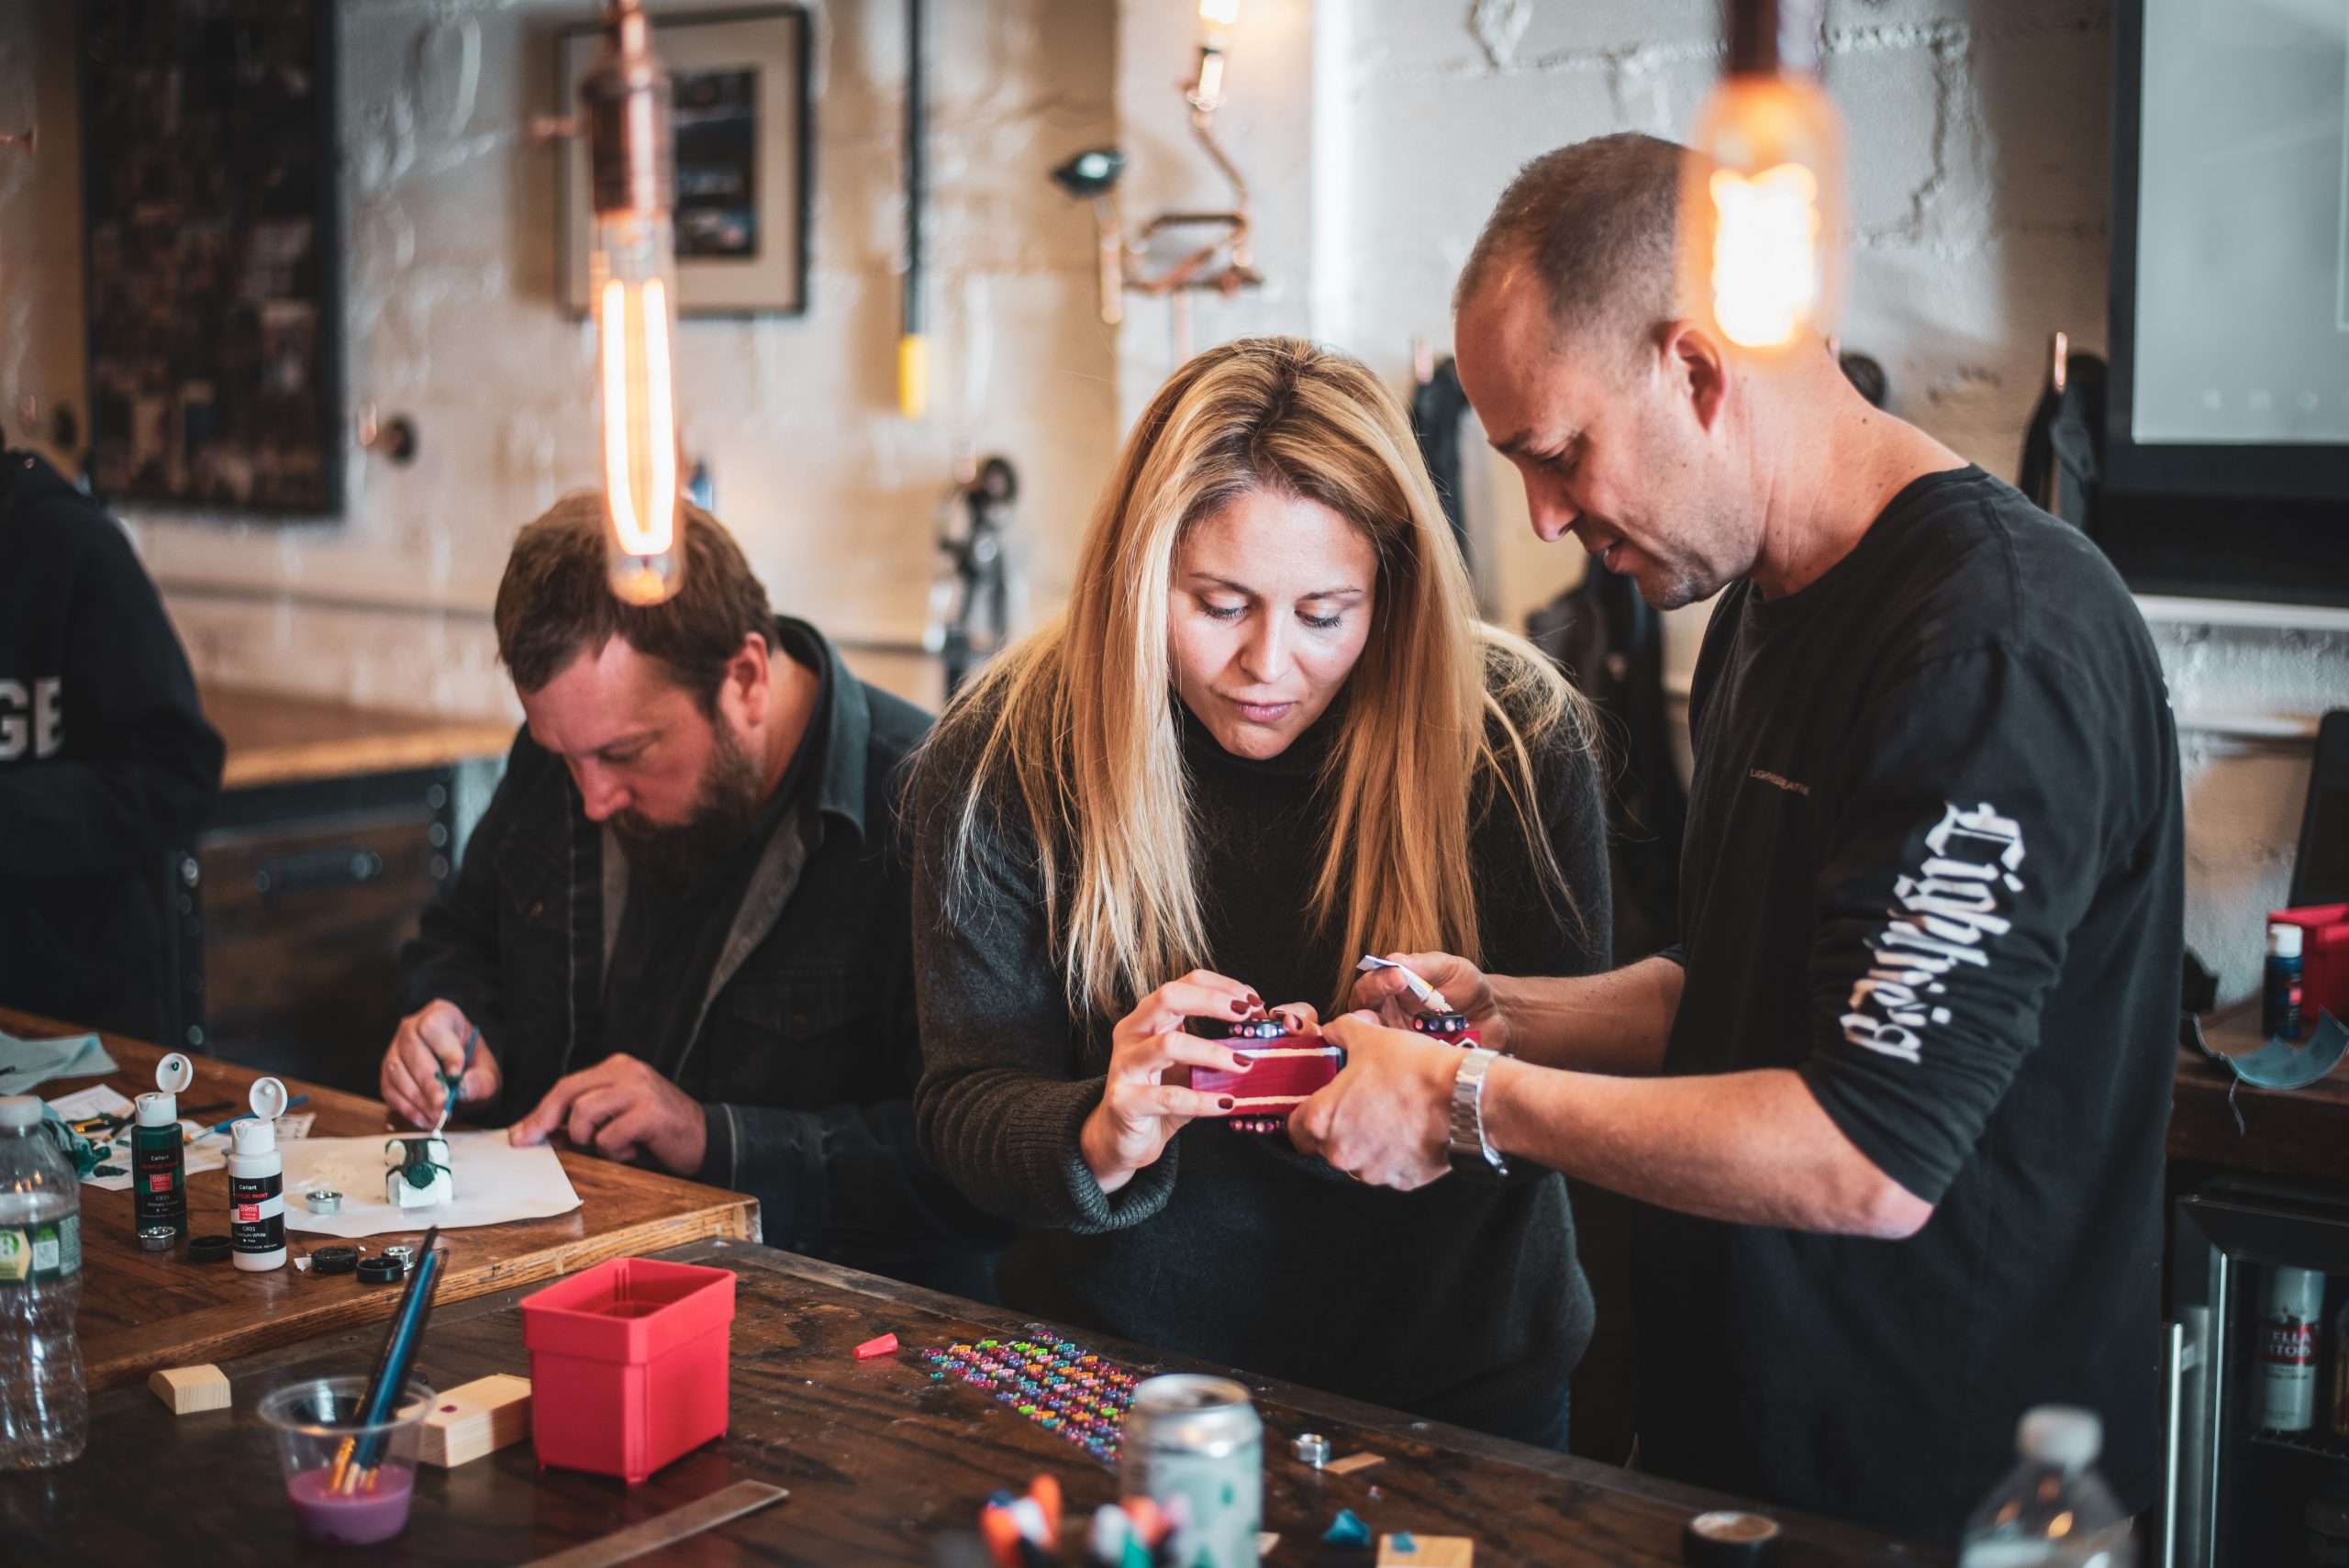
{"type": "Point", "coordinates": [429, 1043]}
{"type": "Point", "coordinates": [1462, 984]}
{"type": "Point", "coordinates": [621, 1107]}
{"type": "Point", "coordinates": [1386, 1119]}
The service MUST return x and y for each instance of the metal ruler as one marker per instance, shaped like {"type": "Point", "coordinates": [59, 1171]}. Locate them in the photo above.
{"type": "Point", "coordinates": [667, 1530]}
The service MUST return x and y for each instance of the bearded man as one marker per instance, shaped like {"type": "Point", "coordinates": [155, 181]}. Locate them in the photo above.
{"type": "Point", "coordinates": [683, 927]}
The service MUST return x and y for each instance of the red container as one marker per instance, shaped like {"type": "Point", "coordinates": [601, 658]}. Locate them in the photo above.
{"type": "Point", "coordinates": [2324, 959]}
{"type": "Point", "coordinates": [628, 1365]}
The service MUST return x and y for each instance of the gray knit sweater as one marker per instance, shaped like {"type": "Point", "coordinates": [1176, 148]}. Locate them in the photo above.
{"type": "Point", "coordinates": [1464, 1301]}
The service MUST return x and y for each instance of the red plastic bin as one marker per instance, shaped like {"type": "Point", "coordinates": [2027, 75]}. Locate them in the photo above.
{"type": "Point", "coordinates": [628, 1365]}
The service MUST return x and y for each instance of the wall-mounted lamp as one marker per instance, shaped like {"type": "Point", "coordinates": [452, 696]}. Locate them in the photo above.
{"type": "Point", "coordinates": [392, 438]}
{"type": "Point", "coordinates": [1223, 262]}
{"type": "Point", "coordinates": [1761, 203]}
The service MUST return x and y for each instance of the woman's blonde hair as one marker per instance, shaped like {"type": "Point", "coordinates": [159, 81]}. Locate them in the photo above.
{"type": "Point", "coordinates": [1074, 731]}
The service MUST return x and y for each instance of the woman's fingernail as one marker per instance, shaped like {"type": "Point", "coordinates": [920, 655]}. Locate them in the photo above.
{"type": "Point", "coordinates": [1225, 1103]}
{"type": "Point", "coordinates": [1254, 1000]}
{"type": "Point", "coordinates": [1240, 1009]}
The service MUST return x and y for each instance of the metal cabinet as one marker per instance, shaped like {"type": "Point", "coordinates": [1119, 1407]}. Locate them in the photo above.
{"type": "Point", "coordinates": [2241, 1493]}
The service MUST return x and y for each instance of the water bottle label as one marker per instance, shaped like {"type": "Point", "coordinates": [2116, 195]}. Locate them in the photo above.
{"type": "Point", "coordinates": [50, 1250]}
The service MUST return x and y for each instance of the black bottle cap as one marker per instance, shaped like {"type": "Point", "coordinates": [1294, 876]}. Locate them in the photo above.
{"type": "Point", "coordinates": [207, 1249]}
{"type": "Point", "coordinates": [334, 1260]}
{"type": "Point", "coordinates": [379, 1271]}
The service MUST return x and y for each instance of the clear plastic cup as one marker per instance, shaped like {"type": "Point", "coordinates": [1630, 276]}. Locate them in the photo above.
{"type": "Point", "coordinates": [319, 1437]}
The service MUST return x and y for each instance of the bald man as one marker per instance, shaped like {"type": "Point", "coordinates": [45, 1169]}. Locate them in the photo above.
{"type": "Point", "coordinates": [1897, 1101]}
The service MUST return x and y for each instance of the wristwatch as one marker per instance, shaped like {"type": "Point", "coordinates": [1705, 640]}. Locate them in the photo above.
{"type": "Point", "coordinates": [1469, 1146]}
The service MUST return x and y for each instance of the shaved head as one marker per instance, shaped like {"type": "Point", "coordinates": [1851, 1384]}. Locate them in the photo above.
{"type": "Point", "coordinates": [1593, 224]}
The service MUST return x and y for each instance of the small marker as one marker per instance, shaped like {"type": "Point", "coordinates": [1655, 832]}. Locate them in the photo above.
{"type": "Point", "coordinates": [885, 1345]}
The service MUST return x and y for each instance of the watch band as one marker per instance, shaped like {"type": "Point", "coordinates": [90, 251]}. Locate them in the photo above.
{"type": "Point", "coordinates": [1468, 1141]}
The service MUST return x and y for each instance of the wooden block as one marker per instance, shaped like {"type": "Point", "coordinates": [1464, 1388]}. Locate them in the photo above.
{"type": "Point", "coordinates": [1428, 1551]}
{"type": "Point", "coordinates": [1352, 1463]}
{"type": "Point", "coordinates": [475, 1418]}
{"type": "Point", "coordinates": [188, 1389]}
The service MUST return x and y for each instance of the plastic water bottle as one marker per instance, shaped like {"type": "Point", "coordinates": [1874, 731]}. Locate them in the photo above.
{"type": "Point", "coordinates": [2052, 1510]}
{"type": "Point", "coordinates": [44, 1404]}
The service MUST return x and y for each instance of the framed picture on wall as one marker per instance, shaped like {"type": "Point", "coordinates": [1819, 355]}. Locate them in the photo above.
{"type": "Point", "coordinates": [743, 135]}
{"type": "Point", "coordinates": [211, 274]}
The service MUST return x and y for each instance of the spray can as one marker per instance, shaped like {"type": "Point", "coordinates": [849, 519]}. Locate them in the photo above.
{"type": "Point", "coordinates": [257, 1183]}
{"type": "Point", "coordinates": [2279, 991]}
{"type": "Point", "coordinates": [159, 1150]}
{"type": "Point", "coordinates": [1199, 1438]}
{"type": "Point", "coordinates": [2288, 1349]}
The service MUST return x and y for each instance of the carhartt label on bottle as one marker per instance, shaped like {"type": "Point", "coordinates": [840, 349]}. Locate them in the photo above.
{"type": "Point", "coordinates": [33, 1253]}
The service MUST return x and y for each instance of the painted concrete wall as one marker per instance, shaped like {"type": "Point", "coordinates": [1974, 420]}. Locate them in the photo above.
{"type": "Point", "coordinates": [1374, 134]}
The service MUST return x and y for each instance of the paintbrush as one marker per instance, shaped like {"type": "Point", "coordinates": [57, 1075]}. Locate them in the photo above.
{"type": "Point", "coordinates": [449, 1099]}
{"type": "Point", "coordinates": [354, 1462]}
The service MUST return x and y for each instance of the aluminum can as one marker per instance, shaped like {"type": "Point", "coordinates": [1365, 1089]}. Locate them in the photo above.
{"type": "Point", "coordinates": [2287, 1335]}
{"type": "Point", "coordinates": [1199, 1438]}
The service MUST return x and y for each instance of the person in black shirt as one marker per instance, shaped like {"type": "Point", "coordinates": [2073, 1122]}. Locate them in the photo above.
{"type": "Point", "coordinates": [682, 927]}
{"type": "Point", "coordinates": [107, 764]}
{"type": "Point", "coordinates": [1269, 733]}
{"type": "Point", "coordinates": [1898, 1101]}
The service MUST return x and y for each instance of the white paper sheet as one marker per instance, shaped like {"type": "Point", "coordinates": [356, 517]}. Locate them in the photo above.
{"type": "Point", "coordinates": [495, 1182]}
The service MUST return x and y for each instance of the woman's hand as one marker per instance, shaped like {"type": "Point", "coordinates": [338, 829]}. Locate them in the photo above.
{"type": "Point", "coordinates": [1129, 1129]}
{"type": "Point", "coordinates": [1462, 984]}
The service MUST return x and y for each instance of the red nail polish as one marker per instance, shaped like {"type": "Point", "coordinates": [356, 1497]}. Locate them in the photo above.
{"type": "Point", "coordinates": [1254, 1000]}
{"type": "Point", "coordinates": [1240, 1009]}
{"type": "Point", "coordinates": [1225, 1103]}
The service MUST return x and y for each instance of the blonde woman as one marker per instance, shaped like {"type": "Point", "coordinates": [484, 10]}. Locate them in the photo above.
{"type": "Point", "coordinates": [1268, 736]}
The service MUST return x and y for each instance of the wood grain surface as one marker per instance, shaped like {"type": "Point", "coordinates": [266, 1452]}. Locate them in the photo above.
{"type": "Point", "coordinates": [275, 739]}
{"type": "Point", "coordinates": [881, 1462]}
{"type": "Point", "coordinates": [143, 1310]}
{"type": "Point", "coordinates": [2285, 1132]}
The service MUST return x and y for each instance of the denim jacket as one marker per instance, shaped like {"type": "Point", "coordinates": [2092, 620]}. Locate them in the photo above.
{"type": "Point", "coordinates": [804, 1051]}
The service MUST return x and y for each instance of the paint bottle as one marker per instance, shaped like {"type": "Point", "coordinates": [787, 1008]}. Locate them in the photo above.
{"type": "Point", "coordinates": [159, 1150]}
{"type": "Point", "coordinates": [2279, 995]}
{"type": "Point", "coordinates": [257, 1183]}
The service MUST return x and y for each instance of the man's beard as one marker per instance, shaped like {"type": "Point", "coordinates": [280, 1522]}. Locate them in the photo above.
{"type": "Point", "coordinates": [670, 860]}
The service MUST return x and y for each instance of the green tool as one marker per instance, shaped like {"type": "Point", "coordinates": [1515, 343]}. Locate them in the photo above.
{"type": "Point", "coordinates": [450, 1080]}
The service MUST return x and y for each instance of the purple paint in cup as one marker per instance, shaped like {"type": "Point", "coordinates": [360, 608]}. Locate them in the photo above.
{"type": "Point", "coordinates": [318, 1426]}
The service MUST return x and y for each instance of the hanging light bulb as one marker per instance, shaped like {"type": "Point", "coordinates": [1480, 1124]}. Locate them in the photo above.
{"type": "Point", "coordinates": [625, 102]}
{"type": "Point", "coordinates": [1217, 19]}
{"type": "Point", "coordinates": [1761, 202]}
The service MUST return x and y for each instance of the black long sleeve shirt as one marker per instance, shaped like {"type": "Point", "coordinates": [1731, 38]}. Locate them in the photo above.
{"type": "Point", "coordinates": [1464, 1301]}
{"type": "Point", "coordinates": [1934, 865]}
{"type": "Point", "coordinates": [105, 760]}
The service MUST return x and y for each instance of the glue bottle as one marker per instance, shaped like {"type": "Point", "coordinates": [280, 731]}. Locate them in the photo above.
{"type": "Point", "coordinates": [159, 1153]}
{"type": "Point", "coordinates": [257, 1183]}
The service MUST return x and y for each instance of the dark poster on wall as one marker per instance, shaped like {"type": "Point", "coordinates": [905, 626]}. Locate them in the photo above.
{"type": "Point", "coordinates": [209, 245]}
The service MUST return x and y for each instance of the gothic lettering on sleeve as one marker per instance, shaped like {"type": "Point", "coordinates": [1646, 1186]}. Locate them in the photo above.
{"type": "Point", "coordinates": [31, 723]}
{"type": "Point", "coordinates": [1943, 915]}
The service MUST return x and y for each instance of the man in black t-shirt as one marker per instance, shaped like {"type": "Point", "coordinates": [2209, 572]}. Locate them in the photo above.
{"type": "Point", "coordinates": [1898, 1102]}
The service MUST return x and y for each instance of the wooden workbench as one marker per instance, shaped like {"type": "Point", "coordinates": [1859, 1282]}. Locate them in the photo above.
{"type": "Point", "coordinates": [2294, 1132]}
{"type": "Point", "coordinates": [144, 1310]}
{"type": "Point", "coordinates": [274, 739]}
{"type": "Point", "coordinates": [880, 1460]}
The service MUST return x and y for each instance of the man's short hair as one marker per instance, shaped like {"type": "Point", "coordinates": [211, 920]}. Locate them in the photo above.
{"type": "Point", "coordinates": [555, 603]}
{"type": "Point", "coordinates": [1594, 223]}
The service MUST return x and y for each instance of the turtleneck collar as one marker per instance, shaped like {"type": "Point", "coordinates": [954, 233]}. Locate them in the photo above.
{"type": "Point", "coordinates": [1302, 759]}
